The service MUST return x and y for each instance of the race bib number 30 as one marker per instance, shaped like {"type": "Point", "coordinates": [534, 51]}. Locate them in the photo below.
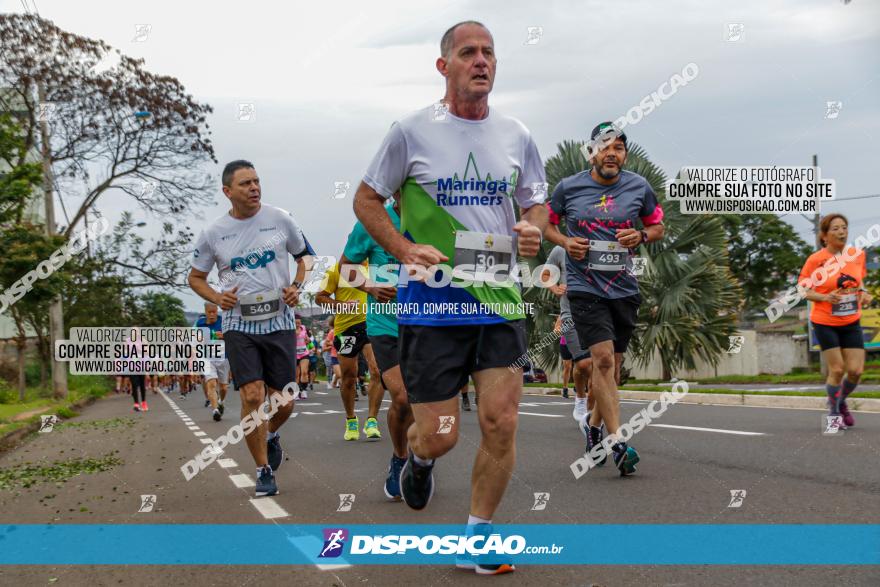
{"type": "Point", "coordinates": [485, 252]}
{"type": "Point", "coordinates": [607, 256]}
{"type": "Point", "coordinates": [847, 306]}
{"type": "Point", "coordinates": [260, 306]}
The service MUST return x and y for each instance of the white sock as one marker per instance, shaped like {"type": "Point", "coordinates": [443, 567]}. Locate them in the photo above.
{"type": "Point", "coordinates": [579, 401]}
{"type": "Point", "coordinates": [271, 435]}
{"type": "Point", "coordinates": [423, 462]}
{"type": "Point", "coordinates": [473, 520]}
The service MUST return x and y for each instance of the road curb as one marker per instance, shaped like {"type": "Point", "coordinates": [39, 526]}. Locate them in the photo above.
{"type": "Point", "coordinates": [12, 439]}
{"type": "Point", "coordinates": [741, 399]}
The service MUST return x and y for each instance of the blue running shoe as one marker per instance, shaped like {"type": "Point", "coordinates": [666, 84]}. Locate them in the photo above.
{"type": "Point", "coordinates": [392, 482]}
{"type": "Point", "coordinates": [416, 483]}
{"type": "Point", "coordinates": [266, 483]}
{"type": "Point", "coordinates": [484, 564]}
{"type": "Point", "coordinates": [625, 457]}
{"type": "Point", "coordinates": [274, 452]}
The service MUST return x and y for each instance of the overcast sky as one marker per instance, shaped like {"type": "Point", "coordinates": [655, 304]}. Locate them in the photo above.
{"type": "Point", "coordinates": [327, 79]}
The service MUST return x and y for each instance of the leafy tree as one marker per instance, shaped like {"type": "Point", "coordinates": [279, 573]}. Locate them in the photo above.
{"type": "Point", "coordinates": [766, 255]}
{"type": "Point", "coordinates": [112, 125]}
{"type": "Point", "coordinates": [24, 247]}
{"type": "Point", "coordinates": [158, 309]}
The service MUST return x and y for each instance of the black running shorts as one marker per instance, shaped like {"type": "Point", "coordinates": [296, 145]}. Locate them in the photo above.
{"type": "Point", "coordinates": [352, 341]}
{"type": "Point", "coordinates": [435, 361]}
{"type": "Point", "coordinates": [844, 337]}
{"type": "Point", "coordinates": [385, 351]}
{"type": "Point", "coordinates": [262, 357]}
{"type": "Point", "coordinates": [597, 319]}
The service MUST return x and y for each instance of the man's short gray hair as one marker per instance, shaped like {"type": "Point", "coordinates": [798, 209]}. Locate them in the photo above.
{"type": "Point", "coordinates": [446, 43]}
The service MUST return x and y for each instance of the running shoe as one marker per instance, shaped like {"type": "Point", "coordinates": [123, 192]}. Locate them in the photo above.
{"type": "Point", "coordinates": [484, 564]}
{"type": "Point", "coordinates": [848, 419]}
{"type": "Point", "coordinates": [465, 403]}
{"type": "Point", "coordinates": [371, 429]}
{"type": "Point", "coordinates": [838, 412]}
{"type": "Point", "coordinates": [266, 482]}
{"type": "Point", "coordinates": [304, 394]}
{"type": "Point", "coordinates": [580, 408]}
{"type": "Point", "coordinates": [311, 387]}
{"type": "Point", "coordinates": [625, 457]}
{"type": "Point", "coordinates": [182, 396]}
{"type": "Point", "coordinates": [274, 452]}
{"type": "Point", "coordinates": [565, 392]}
{"type": "Point", "coordinates": [136, 408]}
{"type": "Point", "coordinates": [221, 408]}
{"type": "Point", "coordinates": [392, 482]}
{"type": "Point", "coordinates": [416, 483]}
{"type": "Point", "coordinates": [145, 407]}
{"type": "Point", "coordinates": [363, 389]}
{"type": "Point", "coordinates": [207, 403]}
{"type": "Point", "coordinates": [217, 415]}
{"type": "Point", "coordinates": [594, 436]}
{"type": "Point", "coordinates": [351, 429]}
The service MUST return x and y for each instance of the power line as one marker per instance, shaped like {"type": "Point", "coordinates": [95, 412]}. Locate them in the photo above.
{"type": "Point", "coordinates": [856, 198]}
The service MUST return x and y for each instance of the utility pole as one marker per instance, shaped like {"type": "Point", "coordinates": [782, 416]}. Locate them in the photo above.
{"type": "Point", "coordinates": [817, 216]}
{"type": "Point", "coordinates": [823, 364]}
{"type": "Point", "coordinates": [56, 309]}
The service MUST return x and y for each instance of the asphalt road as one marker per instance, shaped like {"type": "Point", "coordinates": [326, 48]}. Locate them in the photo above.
{"type": "Point", "coordinates": [791, 474]}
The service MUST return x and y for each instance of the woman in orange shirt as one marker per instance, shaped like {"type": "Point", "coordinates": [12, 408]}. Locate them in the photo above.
{"type": "Point", "coordinates": [833, 280]}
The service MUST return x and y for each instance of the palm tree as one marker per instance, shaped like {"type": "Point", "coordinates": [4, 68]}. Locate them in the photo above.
{"type": "Point", "coordinates": [690, 298]}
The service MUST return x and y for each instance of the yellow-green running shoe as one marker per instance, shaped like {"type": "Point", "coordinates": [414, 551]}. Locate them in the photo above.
{"type": "Point", "coordinates": [371, 429]}
{"type": "Point", "coordinates": [351, 429]}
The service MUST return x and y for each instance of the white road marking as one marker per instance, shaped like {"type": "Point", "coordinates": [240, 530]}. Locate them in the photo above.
{"type": "Point", "coordinates": [268, 508]}
{"type": "Point", "coordinates": [199, 433]}
{"type": "Point", "coordinates": [193, 427]}
{"type": "Point", "coordinates": [206, 441]}
{"type": "Point", "coordinates": [242, 481]}
{"type": "Point", "coordinates": [719, 430]}
{"type": "Point", "coordinates": [544, 415]}
{"type": "Point", "coordinates": [227, 463]}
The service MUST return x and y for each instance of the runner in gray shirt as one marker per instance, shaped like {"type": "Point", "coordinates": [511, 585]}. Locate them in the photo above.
{"type": "Point", "coordinates": [579, 356]}
{"type": "Point", "coordinates": [602, 208]}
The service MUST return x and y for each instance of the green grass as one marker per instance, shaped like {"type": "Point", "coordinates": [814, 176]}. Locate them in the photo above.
{"type": "Point", "coordinates": [79, 387]}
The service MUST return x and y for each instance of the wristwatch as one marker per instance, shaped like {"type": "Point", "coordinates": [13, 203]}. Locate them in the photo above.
{"type": "Point", "coordinates": [644, 236]}
{"type": "Point", "coordinates": [297, 284]}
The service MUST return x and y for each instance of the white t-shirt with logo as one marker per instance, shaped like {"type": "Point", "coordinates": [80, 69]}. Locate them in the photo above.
{"type": "Point", "coordinates": [459, 176]}
{"type": "Point", "coordinates": [252, 254]}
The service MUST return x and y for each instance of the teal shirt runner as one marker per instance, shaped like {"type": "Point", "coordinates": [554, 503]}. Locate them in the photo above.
{"type": "Point", "coordinates": [381, 318]}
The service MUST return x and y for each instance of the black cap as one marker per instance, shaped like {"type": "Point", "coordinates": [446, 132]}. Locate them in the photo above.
{"type": "Point", "coordinates": [603, 127]}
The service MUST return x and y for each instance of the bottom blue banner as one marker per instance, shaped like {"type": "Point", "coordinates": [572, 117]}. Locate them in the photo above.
{"type": "Point", "coordinates": [390, 544]}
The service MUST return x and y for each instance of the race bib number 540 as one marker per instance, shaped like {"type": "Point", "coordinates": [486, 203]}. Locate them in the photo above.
{"type": "Point", "coordinates": [260, 306]}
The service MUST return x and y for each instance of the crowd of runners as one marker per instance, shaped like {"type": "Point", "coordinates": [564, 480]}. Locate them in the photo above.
{"type": "Point", "coordinates": [415, 210]}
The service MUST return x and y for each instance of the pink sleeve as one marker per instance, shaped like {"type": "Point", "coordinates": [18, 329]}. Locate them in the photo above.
{"type": "Point", "coordinates": [655, 217]}
{"type": "Point", "coordinates": [553, 216]}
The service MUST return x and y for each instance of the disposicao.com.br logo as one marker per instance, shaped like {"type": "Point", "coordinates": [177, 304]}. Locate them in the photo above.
{"type": "Point", "coordinates": [431, 544]}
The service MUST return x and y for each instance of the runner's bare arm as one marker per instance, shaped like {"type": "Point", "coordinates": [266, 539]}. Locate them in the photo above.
{"type": "Point", "coordinates": [369, 207]}
{"type": "Point", "coordinates": [630, 237]}
{"type": "Point", "coordinates": [198, 282]}
{"type": "Point", "coordinates": [575, 246]}
{"type": "Point", "coordinates": [348, 272]}
{"type": "Point", "coordinates": [530, 228]}
{"type": "Point", "coordinates": [291, 293]}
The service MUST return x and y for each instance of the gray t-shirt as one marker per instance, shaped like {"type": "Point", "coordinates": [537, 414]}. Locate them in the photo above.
{"type": "Point", "coordinates": [596, 212]}
{"type": "Point", "coordinates": [557, 258]}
